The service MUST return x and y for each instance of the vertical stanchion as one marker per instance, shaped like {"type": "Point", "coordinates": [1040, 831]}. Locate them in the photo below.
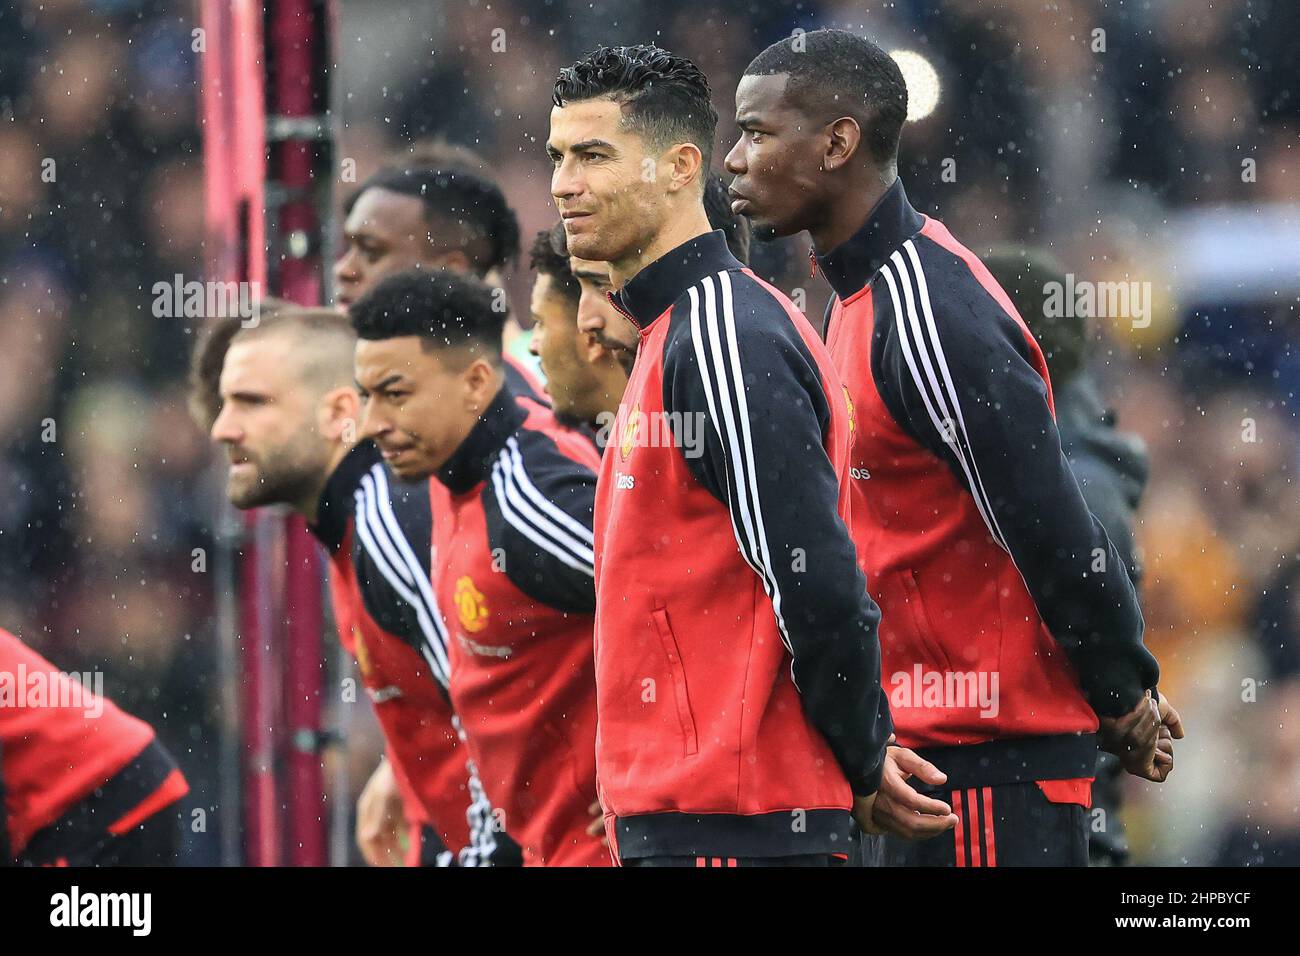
{"type": "Point", "coordinates": [298, 137]}
{"type": "Point", "coordinates": [264, 85]}
{"type": "Point", "coordinates": [234, 172]}
{"type": "Point", "coordinates": [303, 682]}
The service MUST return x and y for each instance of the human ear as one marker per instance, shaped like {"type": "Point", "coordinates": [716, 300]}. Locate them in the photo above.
{"type": "Point", "coordinates": [844, 136]}
{"type": "Point", "coordinates": [687, 165]}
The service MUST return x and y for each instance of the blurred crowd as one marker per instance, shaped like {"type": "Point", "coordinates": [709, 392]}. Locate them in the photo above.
{"type": "Point", "coordinates": [1156, 142]}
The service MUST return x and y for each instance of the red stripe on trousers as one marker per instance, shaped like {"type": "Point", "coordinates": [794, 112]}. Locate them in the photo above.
{"type": "Point", "coordinates": [957, 831]}
{"type": "Point", "coordinates": [972, 801]}
{"type": "Point", "coordinates": [988, 828]}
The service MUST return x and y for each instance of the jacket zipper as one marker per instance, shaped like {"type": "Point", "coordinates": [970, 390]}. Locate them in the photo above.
{"type": "Point", "coordinates": [613, 300]}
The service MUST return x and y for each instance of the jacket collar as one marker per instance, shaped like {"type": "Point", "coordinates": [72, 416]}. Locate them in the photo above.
{"type": "Point", "coordinates": [472, 461]}
{"type": "Point", "coordinates": [336, 501]}
{"type": "Point", "coordinates": [653, 290]}
{"type": "Point", "coordinates": [854, 263]}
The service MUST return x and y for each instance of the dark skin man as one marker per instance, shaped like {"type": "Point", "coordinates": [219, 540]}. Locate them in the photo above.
{"type": "Point", "coordinates": [798, 169]}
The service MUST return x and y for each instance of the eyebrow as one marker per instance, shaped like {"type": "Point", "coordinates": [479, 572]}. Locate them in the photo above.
{"type": "Point", "coordinates": [584, 145]}
{"type": "Point", "coordinates": [363, 231]}
{"type": "Point", "coordinates": [591, 275]}
{"type": "Point", "coordinates": [390, 380]}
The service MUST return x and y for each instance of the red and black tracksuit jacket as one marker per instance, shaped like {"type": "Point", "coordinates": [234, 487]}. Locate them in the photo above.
{"type": "Point", "coordinates": [72, 778]}
{"type": "Point", "coordinates": [378, 533]}
{"type": "Point", "coordinates": [512, 515]}
{"type": "Point", "coordinates": [737, 661]}
{"type": "Point", "coordinates": [969, 523]}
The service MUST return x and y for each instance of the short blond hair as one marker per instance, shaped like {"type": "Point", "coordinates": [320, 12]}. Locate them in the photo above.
{"type": "Point", "coordinates": [328, 346]}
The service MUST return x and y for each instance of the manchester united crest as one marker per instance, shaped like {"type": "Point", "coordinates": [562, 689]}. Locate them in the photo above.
{"type": "Point", "coordinates": [471, 605]}
{"type": "Point", "coordinates": [628, 439]}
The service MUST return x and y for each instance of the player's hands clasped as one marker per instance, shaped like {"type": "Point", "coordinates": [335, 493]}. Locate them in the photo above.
{"type": "Point", "coordinates": [1143, 739]}
{"type": "Point", "coordinates": [898, 808]}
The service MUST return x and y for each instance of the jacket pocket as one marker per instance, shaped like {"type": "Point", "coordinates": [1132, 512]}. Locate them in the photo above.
{"type": "Point", "coordinates": [920, 621]}
{"type": "Point", "coordinates": [682, 699]}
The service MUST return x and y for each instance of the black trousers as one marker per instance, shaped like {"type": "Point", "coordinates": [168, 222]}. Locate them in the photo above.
{"type": "Point", "coordinates": [1009, 825]}
{"type": "Point", "coordinates": [1107, 841]}
{"type": "Point", "coordinates": [811, 859]}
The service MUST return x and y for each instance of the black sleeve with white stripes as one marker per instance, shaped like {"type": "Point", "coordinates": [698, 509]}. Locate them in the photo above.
{"type": "Point", "coordinates": [954, 371]}
{"type": "Point", "coordinates": [539, 505]}
{"type": "Point", "coordinates": [392, 532]}
{"type": "Point", "coordinates": [736, 362]}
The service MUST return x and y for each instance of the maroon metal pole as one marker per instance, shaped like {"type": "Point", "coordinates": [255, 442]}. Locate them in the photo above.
{"type": "Point", "coordinates": [259, 614]}
{"type": "Point", "coordinates": [266, 146]}
{"type": "Point", "coordinates": [234, 173]}
{"type": "Point", "coordinates": [303, 682]}
{"type": "Point", "coordinates": [297, 66]}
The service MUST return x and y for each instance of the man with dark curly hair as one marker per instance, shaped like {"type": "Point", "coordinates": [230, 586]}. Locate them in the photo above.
{"type": "Point", "coordinates": [737, 661]}
{"type": "Point", "coordinates": [584, 344]}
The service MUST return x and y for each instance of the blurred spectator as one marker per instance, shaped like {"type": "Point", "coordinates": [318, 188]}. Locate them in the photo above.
{"type": "Point", "coordinates": [1265, 830]}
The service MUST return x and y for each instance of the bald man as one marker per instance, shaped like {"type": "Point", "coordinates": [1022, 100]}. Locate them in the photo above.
{"type": "Point", "coordinates": [280, 397]}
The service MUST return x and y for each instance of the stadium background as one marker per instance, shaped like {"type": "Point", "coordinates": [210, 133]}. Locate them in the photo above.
{"type": "Point", "coordinates": [1128, 162]}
